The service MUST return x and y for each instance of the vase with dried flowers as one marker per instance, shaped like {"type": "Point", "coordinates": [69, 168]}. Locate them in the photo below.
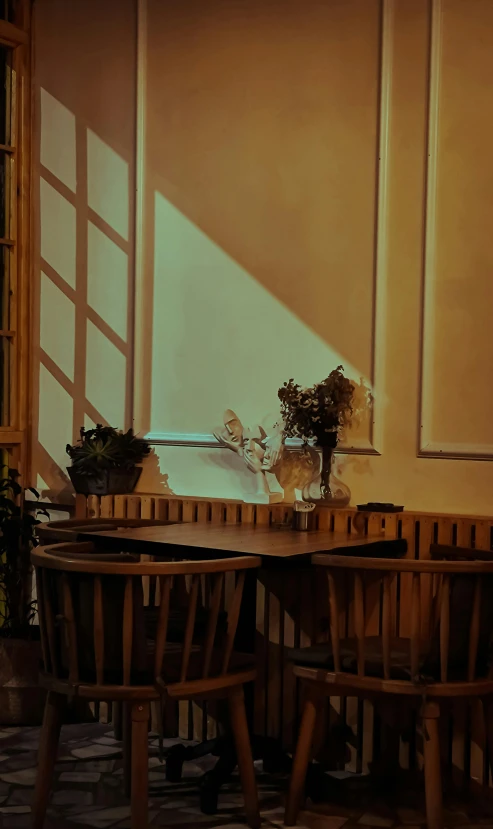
{"type": "Point", "coordinates": [317, 415]}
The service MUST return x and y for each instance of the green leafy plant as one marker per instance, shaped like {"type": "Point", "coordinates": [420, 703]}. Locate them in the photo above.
{"type": "Point", "coordinates": [105, 448]}
{"type": "Point", "coordinates": [17, 539]}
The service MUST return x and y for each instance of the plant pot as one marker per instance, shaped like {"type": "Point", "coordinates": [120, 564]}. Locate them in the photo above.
{"type": "Point", "coordinates": [109, 482]}
{"type": "Point", "coordinates": [21, 698]}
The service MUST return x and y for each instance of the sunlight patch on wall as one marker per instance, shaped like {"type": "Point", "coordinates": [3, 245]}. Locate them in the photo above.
{"type": "Point", "coordinates": [55, 417]}
{"type": "Point", "coordinates": [57, 217]}
{"type": "Point", "coordinates": [57, 326]}
{"type": "Point", "coordinates": [105, 377]}
{"type": "Point", "coordinates": [220, 339]}
{"type": "Point", "coordinates": [107, 280]}
{"type": "Point", "coordinates": [107, 184]}
{"type": "Point", "coordinates": [57, 151]}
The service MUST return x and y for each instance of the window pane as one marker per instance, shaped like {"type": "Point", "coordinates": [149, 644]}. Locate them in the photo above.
{"type": "Point", "coordinates": [13, 9]}
{"type": "Point", "coordinates": [5, 255]}
{"type": "Point", "coordinates": [6, 172]}
{"type": "Point", "coordinates": [5, 356]}
{"type": "Point", "coordinates": [6, 89]}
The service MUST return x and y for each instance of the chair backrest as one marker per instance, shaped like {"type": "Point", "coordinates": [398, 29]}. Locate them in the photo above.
{"type": "Point", "coordinates": [451, 553]}
{"type": "Point", "coordinates": [452, 645]}
{"type": "Point", "coordinates": [92, 616]}
{"type": "Point", "coordinates": [53, 532]}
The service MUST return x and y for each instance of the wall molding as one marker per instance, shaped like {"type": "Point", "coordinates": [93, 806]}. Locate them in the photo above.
{"type": "Point", "coordinates": [427, 447]}
{"type": "Point", "coordinates": [429, 252]}
{"type": "Point", "coordinates": [381, 220]}
{"type": "Point", "coordinates": [457, 451]}
{"type": "Point", "coordinates": [139, 374]}
{"type": "Point", "coordinates": [366, 446]}
{"type": "Point", "coordinates": [208, 441]}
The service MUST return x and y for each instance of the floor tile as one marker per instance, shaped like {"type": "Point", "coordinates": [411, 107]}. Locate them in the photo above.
{"type": "Point", "coordinates": [94, 750]}
{"type": "Point", "coordinates": [23, 777]}
{"type": "Point", "coordinates": [88, 791]}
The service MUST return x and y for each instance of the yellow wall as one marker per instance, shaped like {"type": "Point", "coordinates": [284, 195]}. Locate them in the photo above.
{"type": "Point", "coordinates": [315, 182]}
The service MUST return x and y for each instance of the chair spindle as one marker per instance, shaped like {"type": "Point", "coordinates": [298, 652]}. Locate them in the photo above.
{"type": "Point", "coordinates": [386, 623]}
{"type": "Point", "coordinates": [215, 605]}
{"type": "Point", "coordinates": [334, 621]}
{"type": "Point", "coordinates": [415, 623]}
{"type": "Point", "coordinates": [190, 626]}
{"type": "Point", "coordinates": [41, 617]}
{"type": "Point", "coordinates": [359, 621]}
{"type": "Point", "coordinates": [128, 608]}
{"type": "Point", "coordinates": [98, 626]}
{"type": "Point", "coordinates": [444, 626]}
{"type": "Point", "coordinates": [233, 616]}
{"type": "Point", "coordinates": [474, 630]}
{"type": "Point", "coordinates": [50, 624]}
{"type": "Point", "coordinates": [69, 617]}
{"type": "Point", "coordinates": [165, 584]}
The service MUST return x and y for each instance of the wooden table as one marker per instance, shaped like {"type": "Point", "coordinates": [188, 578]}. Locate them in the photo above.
{"type": "Point", "coordinates": [272, 543]}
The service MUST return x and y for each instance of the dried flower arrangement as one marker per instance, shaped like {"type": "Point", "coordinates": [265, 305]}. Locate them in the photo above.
{"type": "Point", "coordinates": [318, 414]}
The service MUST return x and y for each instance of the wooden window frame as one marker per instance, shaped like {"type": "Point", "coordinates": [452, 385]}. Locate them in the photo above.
{"type": "Point", "coordinates": [15, 436]}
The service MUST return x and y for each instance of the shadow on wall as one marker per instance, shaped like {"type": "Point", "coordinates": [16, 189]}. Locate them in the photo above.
{"type": "Point", "coordinates": [152, 479]}
{"type": "Point", "coordinates": [254, 178]}
{"type": "Point", "coordinates": [234, 338]}
{"type": "Point", "coordinates": [84, 297]}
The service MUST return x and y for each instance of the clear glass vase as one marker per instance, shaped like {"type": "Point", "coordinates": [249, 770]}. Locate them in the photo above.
{"type": "Point", "coordinates": [325, 488]}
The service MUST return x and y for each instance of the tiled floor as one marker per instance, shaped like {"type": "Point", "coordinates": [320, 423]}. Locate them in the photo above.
{"type": "Point", "coordinates": [88, 792]}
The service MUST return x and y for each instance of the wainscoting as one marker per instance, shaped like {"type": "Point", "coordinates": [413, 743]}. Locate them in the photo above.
{"type": "Point", "coordinates": [292, 610]}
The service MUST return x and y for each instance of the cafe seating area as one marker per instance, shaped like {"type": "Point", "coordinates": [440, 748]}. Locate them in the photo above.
{"type": "Point", "coordinates": [155, 622]}
{"type": "Point", "coordinates": [246, 522]}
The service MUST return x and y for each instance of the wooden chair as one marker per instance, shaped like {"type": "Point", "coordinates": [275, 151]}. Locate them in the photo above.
{"type": "Point", "coordinates": [451, 553]}
{"type": "Point", "coordinates": [71, 530]}
{"type": "Point", "coordinates": [444, 656]}
{"type": "Point", "coordinates": [94, 647]}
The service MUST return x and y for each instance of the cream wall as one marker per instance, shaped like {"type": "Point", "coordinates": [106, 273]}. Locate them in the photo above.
{"type": "Point", "coordinates": [313, 187]}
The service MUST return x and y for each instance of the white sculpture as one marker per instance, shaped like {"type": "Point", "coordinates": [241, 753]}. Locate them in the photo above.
{"type": "Point", "coordinates": [260, 452]}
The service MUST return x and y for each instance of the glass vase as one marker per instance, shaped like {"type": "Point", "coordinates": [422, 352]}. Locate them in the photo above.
{"type": "Point", "coordinates": [325, 488]}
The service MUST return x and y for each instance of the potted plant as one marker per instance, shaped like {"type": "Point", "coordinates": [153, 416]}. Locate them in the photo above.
{"type": "Point", "coordinates": [104, 461]}
{"type": "Point", "coordinates": [317, 415]}
{"type": "Point", "coordinates": [21, 698]}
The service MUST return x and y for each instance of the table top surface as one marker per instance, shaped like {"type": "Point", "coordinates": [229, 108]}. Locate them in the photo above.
{"type": "Point", "coordinates": [237, 538]}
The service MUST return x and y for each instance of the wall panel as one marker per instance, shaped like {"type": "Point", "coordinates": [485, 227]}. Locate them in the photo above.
{"type": "Point", "coordinates": [457, 343]}
{"type": "Point", "coordinates": [261, 216]}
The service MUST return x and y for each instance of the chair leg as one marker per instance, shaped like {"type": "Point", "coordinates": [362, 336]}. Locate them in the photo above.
{"type": "Point", "coordinates": [140, 782]}
{"type": "Point", "coordinates": [118, 720]}
{"type": "Point", "coordinates": [244, 754]}
{"type": "Point", "coordinates": [488, 726]}
{"type": "Point", "coordinates": [433, 778]}
{"type": "Point", "coordinates": [126, 708]}
{"type": "Point", "coordinates": [48, 746]}
{"type": "Point", "coordinates": [301, 758]}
